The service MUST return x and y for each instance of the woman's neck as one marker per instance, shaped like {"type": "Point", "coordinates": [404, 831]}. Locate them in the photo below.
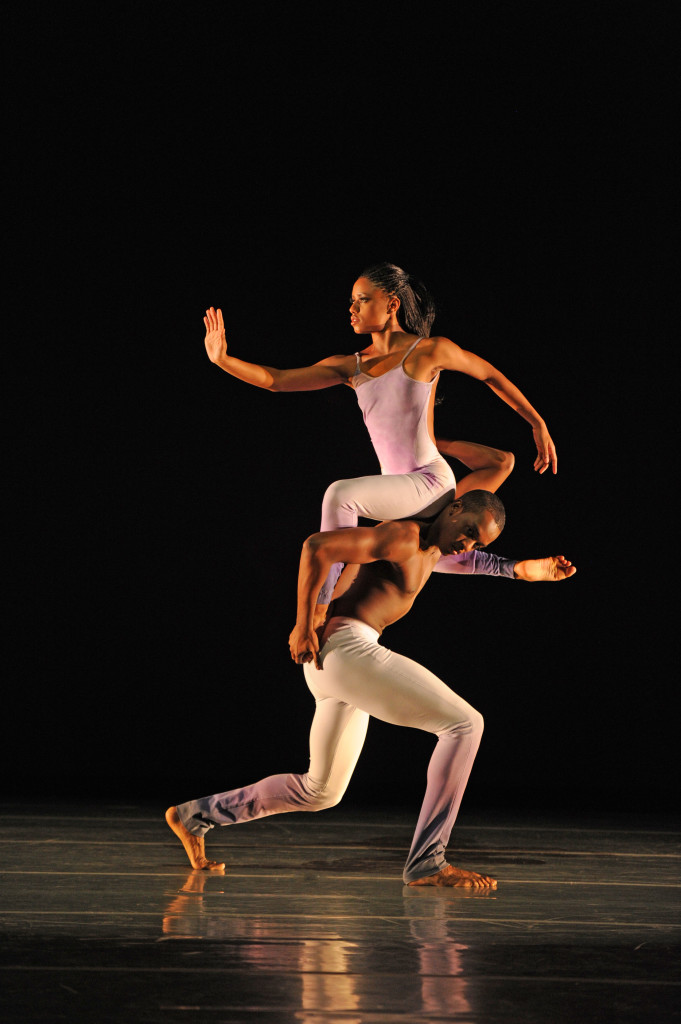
{"type": "Point", "coordinates": [389, 339]}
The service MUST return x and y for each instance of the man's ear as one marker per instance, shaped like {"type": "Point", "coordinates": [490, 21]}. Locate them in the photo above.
{"type": "Point", "coordinates": [455, 507]}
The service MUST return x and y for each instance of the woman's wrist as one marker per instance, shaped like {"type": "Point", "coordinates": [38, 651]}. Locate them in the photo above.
{"type": "Point", "coordinates": [536, 422]}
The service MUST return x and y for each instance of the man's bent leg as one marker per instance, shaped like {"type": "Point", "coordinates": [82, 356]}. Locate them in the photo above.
{"type": "Point", "coordinates": [448, 772]}
{"type": "Point", "coordinates": [402, 692]}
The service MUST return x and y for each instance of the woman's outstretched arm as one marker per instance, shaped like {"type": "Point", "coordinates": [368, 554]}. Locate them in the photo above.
{"type": "Point", "coordinates": [324, 374]}
{"type": "Point", "coordinates": [449, 356]}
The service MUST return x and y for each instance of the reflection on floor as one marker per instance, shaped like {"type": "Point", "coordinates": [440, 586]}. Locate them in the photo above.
{"type": "Point", "coordinates": [101, 921]}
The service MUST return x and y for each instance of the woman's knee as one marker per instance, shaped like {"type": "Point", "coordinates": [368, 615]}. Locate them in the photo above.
{"type": "Point", "coordinates": [339, 495]}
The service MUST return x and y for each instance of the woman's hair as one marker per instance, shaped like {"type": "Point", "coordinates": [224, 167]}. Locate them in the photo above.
{"type": "Point", "coordinates": [417, 309]}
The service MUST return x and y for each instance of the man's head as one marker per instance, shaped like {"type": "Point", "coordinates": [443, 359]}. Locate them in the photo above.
{"type": "Point", "coordinates": [468, 523]}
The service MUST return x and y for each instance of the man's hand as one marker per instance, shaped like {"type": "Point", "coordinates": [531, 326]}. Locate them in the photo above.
{"type": "Point", "coordinates": [546, 450]}
{"type": "Point", "coordinates": [216, 341]}
{"type": "Point", "coordinates": [535, 570]}
{"type": "Point", "coordinates": [304, 645]}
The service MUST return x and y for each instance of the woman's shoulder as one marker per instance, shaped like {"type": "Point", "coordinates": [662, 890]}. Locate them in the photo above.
{"type": "Point", "coordinates": [434, 346]}
{"type": "Point", "coordinates": [438, 339]}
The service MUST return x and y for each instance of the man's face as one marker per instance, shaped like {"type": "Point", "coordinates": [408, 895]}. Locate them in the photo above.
{"type": "Point", "coordinates": [456, 530]}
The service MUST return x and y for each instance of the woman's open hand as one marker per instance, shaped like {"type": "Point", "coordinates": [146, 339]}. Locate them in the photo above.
{"type": "Point", "coordinates": [216, 342]}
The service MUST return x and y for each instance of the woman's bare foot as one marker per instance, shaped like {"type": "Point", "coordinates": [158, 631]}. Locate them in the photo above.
{"type": "Point", "coordinates": [457, 878]}
{"type": "Point", "coordinates": [194, 845]}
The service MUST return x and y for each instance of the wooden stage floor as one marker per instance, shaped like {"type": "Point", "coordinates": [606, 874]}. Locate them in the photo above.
{"type": "Point", "coordinates": [101, 920]}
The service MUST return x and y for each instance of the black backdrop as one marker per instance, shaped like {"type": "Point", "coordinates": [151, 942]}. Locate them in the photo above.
{"type": "Point", "coordinates": [175, 156]}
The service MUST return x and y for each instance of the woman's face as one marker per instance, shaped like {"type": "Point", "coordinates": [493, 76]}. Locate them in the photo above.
{"type": "Point", "coordinates": [369, 307]}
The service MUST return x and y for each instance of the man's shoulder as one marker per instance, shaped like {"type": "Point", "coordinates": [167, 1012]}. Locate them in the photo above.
{"type": "Point", "coordinates": [398, 538]}
{"type": "Point", "coordinates": [400, 528]}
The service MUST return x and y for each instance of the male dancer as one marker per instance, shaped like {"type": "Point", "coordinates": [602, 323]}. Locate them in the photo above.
{"type": "Point", "coordinates": [352, 677]}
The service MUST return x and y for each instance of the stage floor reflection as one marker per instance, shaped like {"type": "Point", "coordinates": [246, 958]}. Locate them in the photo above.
{"type": "Point", "coordinates": [101, 921]}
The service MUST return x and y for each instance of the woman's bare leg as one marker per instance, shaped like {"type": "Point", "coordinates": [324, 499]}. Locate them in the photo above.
{"type": "Point", "coordinates": [489, 466]}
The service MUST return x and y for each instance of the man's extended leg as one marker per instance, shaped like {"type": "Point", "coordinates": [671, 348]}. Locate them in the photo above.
{"type": "Point", "coordinates": [398, 690]}
{"type": "Point", "coordinates": [336, 739]}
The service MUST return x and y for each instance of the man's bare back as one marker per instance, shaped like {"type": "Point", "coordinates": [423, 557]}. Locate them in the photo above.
{"type": "Point", "coordinates": [380, 593]}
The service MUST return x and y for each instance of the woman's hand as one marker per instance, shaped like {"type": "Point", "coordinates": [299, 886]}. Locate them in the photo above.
{"type": "Point", "coordinates": [304, 645]}
{"type": "Point", "coordinates": [546, 449]}
{"type": "Point", "coordinates": [216, 342]}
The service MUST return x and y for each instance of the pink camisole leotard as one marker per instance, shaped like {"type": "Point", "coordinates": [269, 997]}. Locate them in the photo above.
{"type": "Point", "coordinates": [414, 476]}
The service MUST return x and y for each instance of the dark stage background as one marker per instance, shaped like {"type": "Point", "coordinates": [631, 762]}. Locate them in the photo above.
{"type": "Point", "coordinates": [168, 157]}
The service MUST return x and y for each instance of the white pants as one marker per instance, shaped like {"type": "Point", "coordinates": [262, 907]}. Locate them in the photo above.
{"type": "Point", "coordinates": [383, 497]}
{"type": "Point", "coordinates": [360, 678]}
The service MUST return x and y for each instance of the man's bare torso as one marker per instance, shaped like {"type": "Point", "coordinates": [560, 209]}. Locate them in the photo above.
{"type": "Point", "coordinates": [383, 592]}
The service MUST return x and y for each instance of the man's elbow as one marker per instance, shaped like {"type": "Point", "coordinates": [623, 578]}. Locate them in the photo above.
{"type": "Point", "coordinates": [506, 462]}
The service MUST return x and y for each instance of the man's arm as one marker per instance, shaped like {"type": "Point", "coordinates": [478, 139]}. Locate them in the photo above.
{"type": "Point", "coordinates": [391, 542]}
{"type": "Point", "coordinates": [324, 374]}
{"type": "Point", "coordinates": [480, 563]}
{"type": "Point", "coordinates": [485, 563]}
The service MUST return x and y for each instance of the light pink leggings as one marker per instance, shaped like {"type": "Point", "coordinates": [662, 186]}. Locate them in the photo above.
{"type": "Point", "coordinates": [361, 678]}
{"type": "Point", "coordinates": [383, 497]}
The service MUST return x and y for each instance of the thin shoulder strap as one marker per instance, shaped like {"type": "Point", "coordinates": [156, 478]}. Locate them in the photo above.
{"type": "Point", "coordinates": [356, 364]}
{"type": "Point", "coordinates": [409, 351]}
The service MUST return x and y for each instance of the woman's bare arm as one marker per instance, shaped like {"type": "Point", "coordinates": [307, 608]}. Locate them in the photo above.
{"type": "Point", "coordinates": [324, 374]}
{"type": "Point", "coordinates": [448, 356]}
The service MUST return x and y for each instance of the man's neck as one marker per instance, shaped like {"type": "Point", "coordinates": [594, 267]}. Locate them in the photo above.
{"type": "Point", "coordinates": [424, 526]}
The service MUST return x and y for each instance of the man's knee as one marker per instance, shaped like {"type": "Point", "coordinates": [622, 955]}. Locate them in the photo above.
{"type": "Point", "coordinates": [477, 722]}
{"type": "Point", "coordinates": [320, 797]}
{"type": "Point", "coordinates": [472, 725]}
{"type": "Point", "coordinates": [326, 800]}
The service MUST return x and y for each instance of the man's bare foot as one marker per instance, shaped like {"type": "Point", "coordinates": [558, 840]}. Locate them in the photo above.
{"type": "Point", "coordinates": [194, 845]}
{"type": "Point", "coordinates": [457, 878]}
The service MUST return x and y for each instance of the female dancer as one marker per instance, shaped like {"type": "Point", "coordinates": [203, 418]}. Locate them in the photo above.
{"type": "Point", "coordinates": [395, 378]}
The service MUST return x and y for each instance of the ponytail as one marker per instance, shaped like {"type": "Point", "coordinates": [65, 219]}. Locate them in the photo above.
{"type": "Point", "coordinates": [417, 308]}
